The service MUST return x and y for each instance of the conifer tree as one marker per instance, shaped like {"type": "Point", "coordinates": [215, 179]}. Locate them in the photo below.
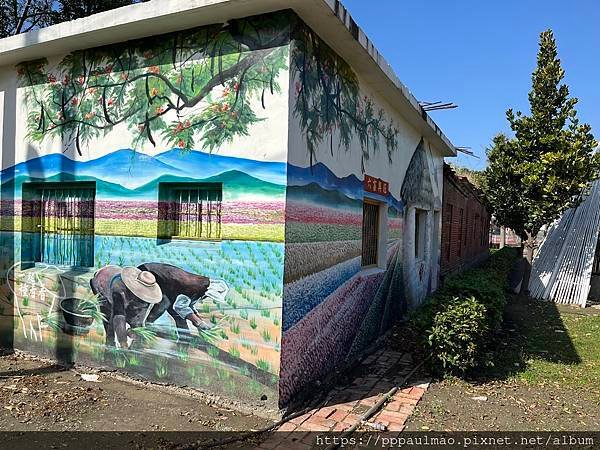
{"type": "Point", "coordinates": [550, 162]}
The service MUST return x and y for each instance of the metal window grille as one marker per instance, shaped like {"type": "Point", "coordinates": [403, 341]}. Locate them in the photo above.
{"type": "Point", "coordinates": [370, 233]}
{"type": "Point", "coordinates": [197, 212]}
{"type": "Point", "coordinates": [67, 225]}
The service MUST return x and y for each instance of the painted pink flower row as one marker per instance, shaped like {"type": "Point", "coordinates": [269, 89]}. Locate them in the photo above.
{"type": "Point", "coordinates": [303, 213]}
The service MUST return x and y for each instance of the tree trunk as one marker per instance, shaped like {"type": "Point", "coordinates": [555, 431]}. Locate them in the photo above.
{"type": "Point", "coordinates": [528, 254]}
{"type": "Point", "coordinates": [529, 247]}
{"type": "Point", "coordinates": [502, 237]}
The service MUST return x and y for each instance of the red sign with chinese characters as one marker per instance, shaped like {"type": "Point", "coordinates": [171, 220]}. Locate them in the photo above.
{"type": "Point", "coordinates": [376, 185]}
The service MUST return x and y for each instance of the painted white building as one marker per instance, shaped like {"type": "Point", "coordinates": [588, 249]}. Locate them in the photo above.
{"type": "Point", "coordinates": [257, 162]}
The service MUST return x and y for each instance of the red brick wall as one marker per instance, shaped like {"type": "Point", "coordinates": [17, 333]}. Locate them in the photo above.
{"type": "Point", "coordinates": [465, 225]}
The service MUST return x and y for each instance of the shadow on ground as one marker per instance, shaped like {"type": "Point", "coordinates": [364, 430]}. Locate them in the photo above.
{"type": "Point", "coordinates": [531, 329]}
{"type": "Point", "coordinates": [41, 370]}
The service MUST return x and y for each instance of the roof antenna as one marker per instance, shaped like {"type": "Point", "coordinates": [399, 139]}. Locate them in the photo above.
{"type": "Point", "coordinates": [435, 106]}
{"type": "Point", "coordinates": [467, 151]}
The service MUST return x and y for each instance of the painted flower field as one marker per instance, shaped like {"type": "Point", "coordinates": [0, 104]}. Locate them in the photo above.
{"type": "Point", "coordinates": [252, 220]}
{"type": "Point", "coordinates": [343, 309]}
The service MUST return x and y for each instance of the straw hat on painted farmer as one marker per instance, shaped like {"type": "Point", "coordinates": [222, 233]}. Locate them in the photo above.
{"type": "Point", "coordinates": [142, 284]}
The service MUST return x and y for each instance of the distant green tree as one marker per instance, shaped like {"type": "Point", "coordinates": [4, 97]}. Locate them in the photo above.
{"type": "Point", "coordinates": [75, 9]}
{"type": "Point", "coordinates": [20, 16]}
{"type": "Point", "coordinates": [475, 177]}
{"type": "Point", "coordinates": [535, 176]}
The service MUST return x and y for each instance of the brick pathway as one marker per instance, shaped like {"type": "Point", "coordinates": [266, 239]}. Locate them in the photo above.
{"type": "Point", "coordinates": [345, 405]}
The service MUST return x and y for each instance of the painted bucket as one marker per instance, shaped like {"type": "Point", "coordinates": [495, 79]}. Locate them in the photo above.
{"type": "Point", "coordinates": [76, 320]}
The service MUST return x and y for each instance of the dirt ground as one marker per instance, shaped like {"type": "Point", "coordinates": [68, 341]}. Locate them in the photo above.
{"type": "Point", "coordinates": [544, 377]}
{"type": "Point", "coordinates": [40, 396]}
{"type": "Point", "coordinates": [511, 406]}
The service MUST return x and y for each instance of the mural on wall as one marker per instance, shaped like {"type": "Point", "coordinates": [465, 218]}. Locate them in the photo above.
{"type": "Point", "coordinates": [191, 87]}
{"type": "Point", "coordinates": [329, 104]}
{"type": "Point", "coordinates": [332, 310]}
{"type": "Point", "coordinates": [200, 306]}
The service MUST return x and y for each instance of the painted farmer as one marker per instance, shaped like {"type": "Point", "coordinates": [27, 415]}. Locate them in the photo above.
{"type": "Point", "coordinates": [184, 292]}
{"type": "Point", "coordinates": [127, 297]}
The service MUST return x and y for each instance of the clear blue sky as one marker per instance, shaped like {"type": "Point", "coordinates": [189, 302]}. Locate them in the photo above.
{"type": "Point", "coordinates": [480, 55]}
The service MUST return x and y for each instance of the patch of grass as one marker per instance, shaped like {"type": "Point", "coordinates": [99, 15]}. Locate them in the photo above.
{"type": "Point", "coordinates": [253, 323]}
{"type": "Point", "coordinates": [161, 367]}
{"type": "Point", "coordinates": [213, 352]}
{"type": "Point", "coordinates": [235, 328]}
{"type": "Point", "coordinates": [263, 365]}
{"type": "Point", "coordinates": [255, 388]}
{"type": "Point", "coordinates": [266, 336]}
{"type": "Point", "coordinates": [233, 351]}
{"type": "Point", "coordinates": [134, 361]}
{"type": "Point", "coordinates": [544, 343]}
{"type": "Point", "coordinates": [223, 374]}
{"type": "Point", "coordinates": [146, 335]}
{"type": "Point", "coordinates": [183, 353]}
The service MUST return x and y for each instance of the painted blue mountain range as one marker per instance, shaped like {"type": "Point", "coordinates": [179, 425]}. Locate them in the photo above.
{"type": "Point", "coordinates": [132, 169]}
{"type": "Point", "coordinates": [127, 174]}
{"type": "Point", "coordinates": [319, 182]}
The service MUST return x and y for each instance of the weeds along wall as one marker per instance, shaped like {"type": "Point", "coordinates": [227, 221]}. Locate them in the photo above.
{"type": "Point", "coordinates": [143, 192]}
{"type": "Point", "coordinates": [348, 147]}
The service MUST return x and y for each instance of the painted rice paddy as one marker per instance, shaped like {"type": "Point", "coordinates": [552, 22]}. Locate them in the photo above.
{"type": "Point", "coordinates": [241, 355]}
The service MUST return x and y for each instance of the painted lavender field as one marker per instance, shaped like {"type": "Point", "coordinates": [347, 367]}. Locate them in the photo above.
{"type": "Point", "coordinates": [332, 310]}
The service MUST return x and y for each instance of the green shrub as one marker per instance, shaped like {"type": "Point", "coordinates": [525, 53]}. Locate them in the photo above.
{"type": "Point", "coordinates": [458, 322]}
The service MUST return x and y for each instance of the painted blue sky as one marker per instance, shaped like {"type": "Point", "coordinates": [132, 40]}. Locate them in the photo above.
{"type": "Point", "coordinates": [480, 55]}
